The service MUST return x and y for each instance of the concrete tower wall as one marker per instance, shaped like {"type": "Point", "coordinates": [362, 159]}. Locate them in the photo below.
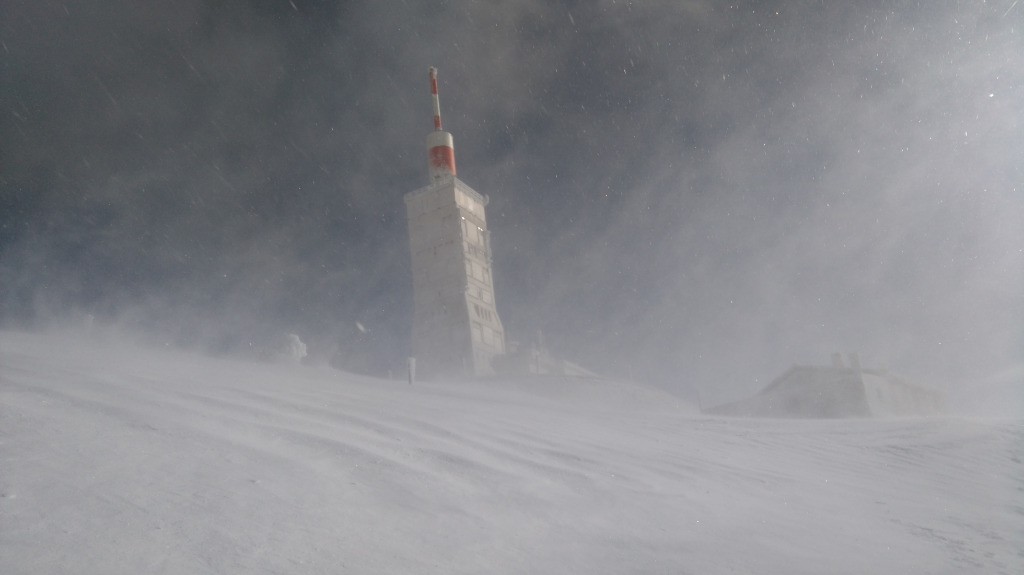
{"type": "Point", "coordinates": [456, 328]}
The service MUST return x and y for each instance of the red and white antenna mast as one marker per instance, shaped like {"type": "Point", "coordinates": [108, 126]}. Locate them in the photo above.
{"type": "Point", "coordinates": [440, 144]}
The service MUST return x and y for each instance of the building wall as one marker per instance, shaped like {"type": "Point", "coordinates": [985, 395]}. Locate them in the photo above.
{"type": "Point", "coordinates": [832, 392]}
{"type": "Point", "coordinates": [890, 396]}
{"type": "Point", "coordinates": [456, 328]}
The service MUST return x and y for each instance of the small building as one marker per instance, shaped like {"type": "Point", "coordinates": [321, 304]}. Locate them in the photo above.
{"type": "Point", "coordinates": [836, 391]}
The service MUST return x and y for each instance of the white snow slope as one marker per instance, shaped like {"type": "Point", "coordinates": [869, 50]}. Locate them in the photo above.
{"type": "Point", "coordinates": [117, 459]}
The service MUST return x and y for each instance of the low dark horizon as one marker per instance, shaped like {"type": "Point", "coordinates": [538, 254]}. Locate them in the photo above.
{"type": "Point", "coordinates": [693, 194]}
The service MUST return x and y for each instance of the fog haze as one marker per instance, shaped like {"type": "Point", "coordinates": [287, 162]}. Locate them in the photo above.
{"type": "Point", "coordinates": [695, 194]}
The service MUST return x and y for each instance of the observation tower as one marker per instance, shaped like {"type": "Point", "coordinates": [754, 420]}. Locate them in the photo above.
{"type": "Point", "coordinates": [456, 329]}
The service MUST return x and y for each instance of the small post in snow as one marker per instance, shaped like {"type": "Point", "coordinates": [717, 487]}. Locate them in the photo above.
{"type": "Point", "coordinates": [412, 370]}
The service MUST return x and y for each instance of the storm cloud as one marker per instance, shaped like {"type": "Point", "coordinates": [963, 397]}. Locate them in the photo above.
{"type": "Point", "coordinates": [697, 194]}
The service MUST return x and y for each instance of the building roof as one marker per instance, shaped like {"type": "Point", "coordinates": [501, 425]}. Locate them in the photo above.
{"type": "Point", "coordinates": [835, 392]}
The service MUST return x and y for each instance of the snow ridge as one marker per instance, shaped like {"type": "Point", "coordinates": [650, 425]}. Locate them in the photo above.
{"type": "Point", "coordinates": [120, 459]}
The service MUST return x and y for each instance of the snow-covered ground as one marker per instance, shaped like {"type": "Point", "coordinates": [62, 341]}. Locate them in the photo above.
{"type": "Point", "coordinates": [121, 459]}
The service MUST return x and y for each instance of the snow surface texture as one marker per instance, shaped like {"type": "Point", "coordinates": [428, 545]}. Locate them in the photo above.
{"type": "Point", "coordinates": [117, 459]}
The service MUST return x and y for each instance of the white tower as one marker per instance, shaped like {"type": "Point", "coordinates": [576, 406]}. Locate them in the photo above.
{"type": "Point", "coordinates": [456, 329]}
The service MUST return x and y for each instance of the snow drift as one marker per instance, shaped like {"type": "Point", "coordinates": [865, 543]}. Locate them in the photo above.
{"type": "Point", "coordinates": [120, 459]}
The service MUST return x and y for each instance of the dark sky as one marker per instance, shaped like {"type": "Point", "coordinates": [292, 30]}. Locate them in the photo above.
{"type": "Point", "coordinates": [698, 193]}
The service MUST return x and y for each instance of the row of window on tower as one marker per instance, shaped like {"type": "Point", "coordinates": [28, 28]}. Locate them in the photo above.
{"type": "Point", "coordinates": [483, 313]}
{"type": "Point", "coordinates": [473, 233]}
